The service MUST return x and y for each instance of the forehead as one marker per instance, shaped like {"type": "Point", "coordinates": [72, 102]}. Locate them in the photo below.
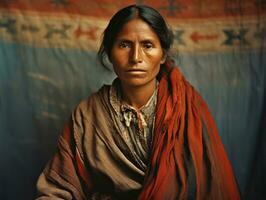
{"type": "Point", "coordinates": [137, 27]}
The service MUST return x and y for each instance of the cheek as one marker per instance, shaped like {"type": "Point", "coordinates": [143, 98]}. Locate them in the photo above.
{"type": "Point", "coordinates": [156, 59]}
{"type": "Point", "coordinates": [118, 65]}
{"type": "Point", "coordinates": [117, 58]}
{"type": "Point", "coordinates": [154, 68]}
{"type": "Point", "coordinates": [157, 69]}
{"type": "Point", "coordinates": [156, 63]}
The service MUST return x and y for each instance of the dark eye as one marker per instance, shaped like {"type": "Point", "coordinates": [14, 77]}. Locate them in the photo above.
{"type": "Point", "coordinates": [124, 44]}
{"type": "Point", "coordinates": [147, 45]}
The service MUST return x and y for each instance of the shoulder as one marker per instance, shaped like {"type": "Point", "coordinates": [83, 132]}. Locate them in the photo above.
{"type": "Point", "coordinates": [88, 113]}
{"type": "Point", "coordinates": [95, 101]}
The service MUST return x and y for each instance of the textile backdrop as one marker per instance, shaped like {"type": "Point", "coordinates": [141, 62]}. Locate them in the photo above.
{"type": "Point", "coordinates": [48, 64]}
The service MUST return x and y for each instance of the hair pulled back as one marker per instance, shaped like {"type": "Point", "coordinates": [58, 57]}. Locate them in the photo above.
{"type": "Point", "coordinates": [151, 16]}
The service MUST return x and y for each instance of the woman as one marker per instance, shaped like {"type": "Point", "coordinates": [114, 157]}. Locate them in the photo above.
{"type": "Point", "coordinates": [147, 136]}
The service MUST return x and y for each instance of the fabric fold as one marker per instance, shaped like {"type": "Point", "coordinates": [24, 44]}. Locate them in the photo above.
{"type": "Point", "coordinates": [186, 147]}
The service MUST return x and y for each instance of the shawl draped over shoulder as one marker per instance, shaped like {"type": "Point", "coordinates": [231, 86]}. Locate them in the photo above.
{"type": "Point", "coordinates": [187, 159]}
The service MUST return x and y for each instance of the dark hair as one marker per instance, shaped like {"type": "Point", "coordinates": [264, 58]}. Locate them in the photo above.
{"type": "Point", "coordinates": [147, 14]}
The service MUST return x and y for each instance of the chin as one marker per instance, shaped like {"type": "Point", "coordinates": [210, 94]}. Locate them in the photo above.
{"type": "Point", "coordinates": [136, 82]}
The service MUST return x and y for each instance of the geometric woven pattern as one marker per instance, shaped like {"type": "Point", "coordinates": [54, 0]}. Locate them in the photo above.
{"type": "Point", "coordinates": [84, 32]}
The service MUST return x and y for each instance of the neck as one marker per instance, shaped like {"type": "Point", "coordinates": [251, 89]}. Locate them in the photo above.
{"type": "Point", "coordinates": [137, 96]}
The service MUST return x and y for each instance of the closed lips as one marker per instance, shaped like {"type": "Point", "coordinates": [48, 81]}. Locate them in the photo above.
{"type": "Point", "coordinates": [136, 70]}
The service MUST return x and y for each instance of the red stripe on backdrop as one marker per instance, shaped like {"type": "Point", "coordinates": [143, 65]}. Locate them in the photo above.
{"type": "Point", "coordinates": [170, 8]}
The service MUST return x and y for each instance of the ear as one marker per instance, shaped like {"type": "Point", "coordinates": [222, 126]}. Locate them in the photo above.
{"type": "Point", "coordinates": [163, 57]}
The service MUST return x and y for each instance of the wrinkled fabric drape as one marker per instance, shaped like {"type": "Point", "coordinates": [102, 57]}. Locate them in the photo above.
{"type": "Point", "coordinates": [186, 146]}
{"type": "Point", "coordinates": [187, 157]}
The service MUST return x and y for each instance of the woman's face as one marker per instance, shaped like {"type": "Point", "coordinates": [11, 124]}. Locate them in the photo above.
{"type": "Point", "coordinates": [137, 54]}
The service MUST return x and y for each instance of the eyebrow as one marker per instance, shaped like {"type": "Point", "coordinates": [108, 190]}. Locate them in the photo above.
{"type": "Point", "coordinates": [146, 40]}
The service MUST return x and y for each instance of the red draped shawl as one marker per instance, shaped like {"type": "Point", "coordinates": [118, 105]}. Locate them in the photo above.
{"type": "Point", "coordinates": [188, 158]}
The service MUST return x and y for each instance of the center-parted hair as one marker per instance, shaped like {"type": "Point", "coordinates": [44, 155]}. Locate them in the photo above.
{"type": "Point", "coordinates": [151, 16]}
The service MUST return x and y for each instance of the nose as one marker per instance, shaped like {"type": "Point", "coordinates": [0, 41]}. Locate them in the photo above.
{"type": "Point", "coordinates": [136, 54]}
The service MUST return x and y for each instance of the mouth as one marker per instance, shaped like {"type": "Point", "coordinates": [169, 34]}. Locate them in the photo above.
{"type": "Point", "coordinates": [136, 71]}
